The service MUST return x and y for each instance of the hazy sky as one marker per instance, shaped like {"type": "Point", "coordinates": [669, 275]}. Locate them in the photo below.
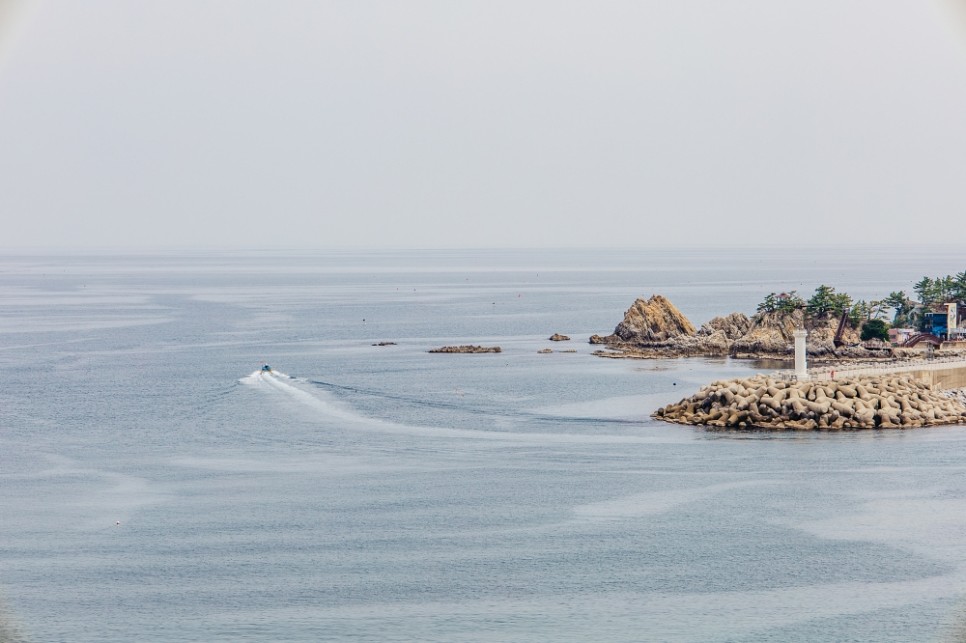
{"type": "Point", "coordinates": [481, 123]}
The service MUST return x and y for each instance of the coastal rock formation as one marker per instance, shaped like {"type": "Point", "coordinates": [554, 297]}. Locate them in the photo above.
{"type": "Point", "coordinates": [733, 326]}
{"type": "Point", "coordinates": [654, 320]}
{"type": "Point", "coordinates": [716, 337]}
{"type": "Point", "coordinates": [821, 336]}
{"type": "Point", "coordinates": [861, 403]}
{"type": "Point", "coordinates": [714, 345]}
{"type": "Point", "coordinates": [656, 328]}
{"type": "Point", "coordinates": [466, 349]}
{"type": "Point", "coordinates": [772, 335]}
{"type": "Point", "coordinates": [557, 337]}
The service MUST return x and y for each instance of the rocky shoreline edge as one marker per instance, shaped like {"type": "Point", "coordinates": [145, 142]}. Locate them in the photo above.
{"type": "Point", "coordinates": [766, 403]}
{"type": "Point", "coordinates": [655, 329]}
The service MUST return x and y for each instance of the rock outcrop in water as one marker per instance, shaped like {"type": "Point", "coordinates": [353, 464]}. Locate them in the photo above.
{"type": "Point", "coordinates": [656, 328]}
{"type": "Point", "coordinates": [466, 349]}
{"type": "Point", "coordinates": [655, 320]}
{"type": "Point", "coordinates": [862, 403]}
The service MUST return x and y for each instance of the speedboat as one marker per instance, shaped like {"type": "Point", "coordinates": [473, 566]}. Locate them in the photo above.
{"type": "Point", "coordinates": [266, 368]}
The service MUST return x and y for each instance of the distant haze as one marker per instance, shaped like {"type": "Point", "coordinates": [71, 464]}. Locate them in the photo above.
{"type": "Point", "coordinates": [449, 124]}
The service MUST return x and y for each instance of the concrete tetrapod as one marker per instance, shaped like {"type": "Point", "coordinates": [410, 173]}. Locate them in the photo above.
{"type": "Point", "coordinates": [763, 402]}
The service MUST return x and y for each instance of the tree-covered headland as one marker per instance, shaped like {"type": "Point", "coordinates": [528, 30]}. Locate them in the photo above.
{"type": "Point", "coordinates": [873, 317]}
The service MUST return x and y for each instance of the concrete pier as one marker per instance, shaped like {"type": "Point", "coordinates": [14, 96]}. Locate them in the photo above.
{"type": "Point", "coordinates": [949, 372]}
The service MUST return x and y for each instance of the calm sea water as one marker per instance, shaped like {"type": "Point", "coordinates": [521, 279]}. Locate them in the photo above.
{"type": "Point", "coordinates": [154, 486]}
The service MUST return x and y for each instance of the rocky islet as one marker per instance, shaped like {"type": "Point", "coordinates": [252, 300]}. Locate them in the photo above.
{"type": "Point", "coordinates": [466, 349]}
{"type": "Point", "coordinates": [655, 328]}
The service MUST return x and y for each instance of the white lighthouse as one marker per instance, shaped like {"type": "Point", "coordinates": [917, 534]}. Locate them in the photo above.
{"type": "Point", "coordinates": [801, 365]}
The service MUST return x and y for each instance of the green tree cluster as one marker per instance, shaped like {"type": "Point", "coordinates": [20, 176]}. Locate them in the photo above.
{"type": "Point", "coordinates": [784, 302]}
{"type": "Point", "coordinates": [932, 291]}
{"type": "Point", "coordinates": [875, 329]}
{"type": "Point", "coordinates": [826, 301]}
{"type": "Point", "coordinates": [940, 290]}
{"type": "Point", "coordinates": [902, 307]}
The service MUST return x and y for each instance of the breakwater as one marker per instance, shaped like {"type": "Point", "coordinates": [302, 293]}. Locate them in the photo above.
{"type": "Point", "coordinates": [865, 402]}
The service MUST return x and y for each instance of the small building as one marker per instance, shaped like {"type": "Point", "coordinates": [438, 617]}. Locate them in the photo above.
{"type": "Point", "coordinates": [945, 323]}
{"type": "Point", "coordinates": [936, 323]}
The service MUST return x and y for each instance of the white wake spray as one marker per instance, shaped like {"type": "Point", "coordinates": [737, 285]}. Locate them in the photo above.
{"type": "Point", "coordinates": [323, 404]}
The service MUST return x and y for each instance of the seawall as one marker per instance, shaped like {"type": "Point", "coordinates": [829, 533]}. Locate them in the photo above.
{"type": "Point", "coordinates": [945, 373]}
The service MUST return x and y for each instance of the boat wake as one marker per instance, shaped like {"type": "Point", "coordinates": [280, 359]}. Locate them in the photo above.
{"type": "Point", "coordinates": [289, 386]}
{"type": "Point", "coordinates": [324, 406]}
{"type": "Point", "coordinates": [556, 415]}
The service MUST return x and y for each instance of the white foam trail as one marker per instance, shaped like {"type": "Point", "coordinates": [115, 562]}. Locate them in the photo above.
{"type": "Point", "coordinates": [274, 380]}
{"type": "Point", "coordinates": [924, 522]}
{"type": "Point", "coordinates": [321, 403]}
{"type": "Point", "coordinates": [256, 377]}
{"type": "Point", "coordinates": [104, 499]}
{"type": "Point", "coordinates": [651, 503]}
